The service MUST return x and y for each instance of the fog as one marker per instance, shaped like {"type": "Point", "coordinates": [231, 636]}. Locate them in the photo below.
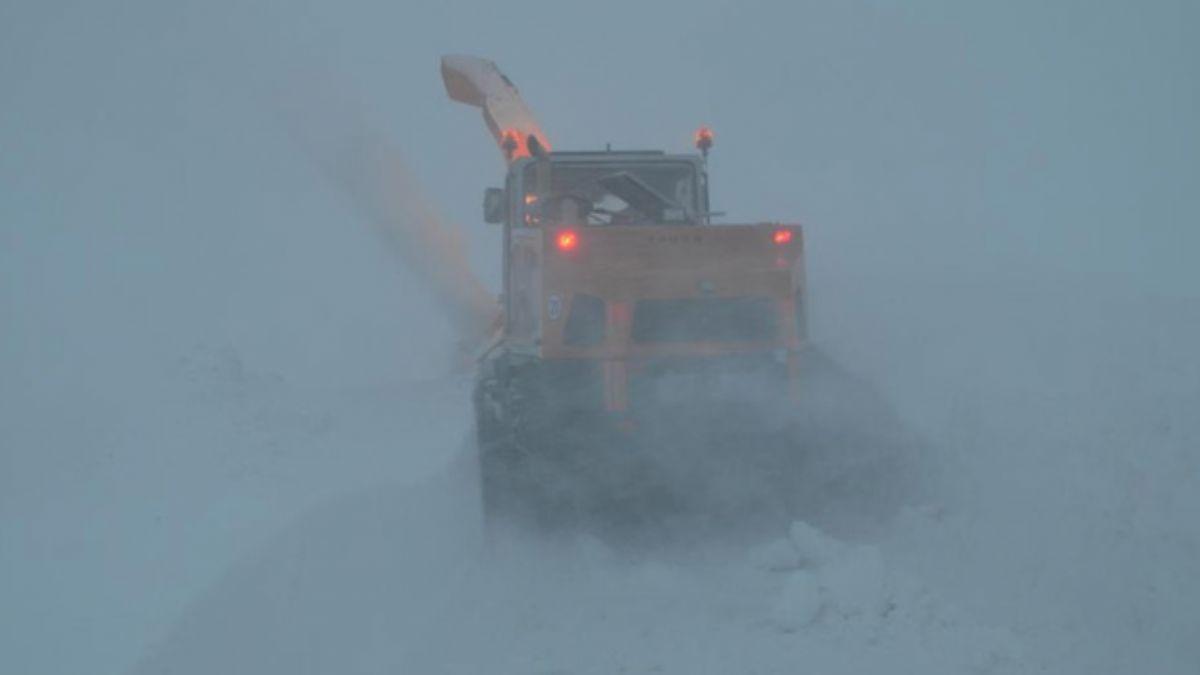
{"type": "Point", "coordinates": [234, 428]}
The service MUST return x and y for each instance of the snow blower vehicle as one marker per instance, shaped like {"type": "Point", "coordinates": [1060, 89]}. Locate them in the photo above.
{"type": "Point", "coordinates": [630, 323]}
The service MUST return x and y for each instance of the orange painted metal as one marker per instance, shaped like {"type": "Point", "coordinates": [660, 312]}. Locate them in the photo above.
{"type": "Point", "coordinates": [622, 265]}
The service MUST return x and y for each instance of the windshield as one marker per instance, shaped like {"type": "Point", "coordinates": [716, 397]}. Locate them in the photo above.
{"type": "Point", "coordinates": [637, 193]}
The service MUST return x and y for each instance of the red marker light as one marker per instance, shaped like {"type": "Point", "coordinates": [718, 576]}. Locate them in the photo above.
{"type": "Point", "coordinates": [510, 143]}
{"type": "Point", "coordinates": [704, 140]}
{"type": "Point", "coordinates": [781, 237]}
{"type": "Point", "coordinates": [567, 241]}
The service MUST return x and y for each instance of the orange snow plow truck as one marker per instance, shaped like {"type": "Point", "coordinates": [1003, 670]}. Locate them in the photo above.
{"type": "Point", "coordinates": [615, 281]}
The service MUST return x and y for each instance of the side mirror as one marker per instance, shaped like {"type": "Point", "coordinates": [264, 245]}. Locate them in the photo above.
{"type": "Point", "coordinates": [495, 203]}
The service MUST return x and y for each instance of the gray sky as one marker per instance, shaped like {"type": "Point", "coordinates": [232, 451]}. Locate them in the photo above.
{"type": "Point", "coordinates": [1013, 138]}
{"type": "Point", "coordinates": [148, 181]}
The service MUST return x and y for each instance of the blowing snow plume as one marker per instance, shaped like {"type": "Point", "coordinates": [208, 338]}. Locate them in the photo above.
{"type": "Point", "coordinates": [718, 459]}
{"type": "Point", "coordinates": [365, 165]}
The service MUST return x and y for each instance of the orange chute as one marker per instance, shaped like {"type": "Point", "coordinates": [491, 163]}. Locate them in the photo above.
{"type": "Point", "coordinates": [478, 82]}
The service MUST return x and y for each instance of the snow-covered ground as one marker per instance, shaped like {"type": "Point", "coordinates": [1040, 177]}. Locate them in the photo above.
{"type": "Point", "coordinates": [233, 437]}
{"type": "Point", "coordinates": [1062, 538]}
{"type": "Point", "coordinates": [252, 525]}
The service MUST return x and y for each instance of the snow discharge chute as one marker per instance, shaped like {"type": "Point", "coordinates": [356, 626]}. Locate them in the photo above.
{"type": "Point", "coordinates": [478, 82]}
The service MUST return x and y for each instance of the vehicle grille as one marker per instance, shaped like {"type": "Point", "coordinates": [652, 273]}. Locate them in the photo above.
{"type": "Point", "coordinates": [705, 320]}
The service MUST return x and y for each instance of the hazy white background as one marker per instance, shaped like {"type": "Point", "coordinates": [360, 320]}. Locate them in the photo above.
{"type": "Point", "coordinates": [200, 341]}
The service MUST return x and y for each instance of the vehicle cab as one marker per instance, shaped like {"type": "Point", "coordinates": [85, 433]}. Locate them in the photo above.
{"type": "Point", "coordinates": [602, 188]}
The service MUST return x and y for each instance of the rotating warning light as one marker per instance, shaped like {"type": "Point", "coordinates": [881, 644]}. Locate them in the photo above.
{"type": "Point", "coordinates": [567, 241]}
{"type": "Point", "coordinates": [704, 140]}
{"type": "Point", "coordinates": [782, 237]}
